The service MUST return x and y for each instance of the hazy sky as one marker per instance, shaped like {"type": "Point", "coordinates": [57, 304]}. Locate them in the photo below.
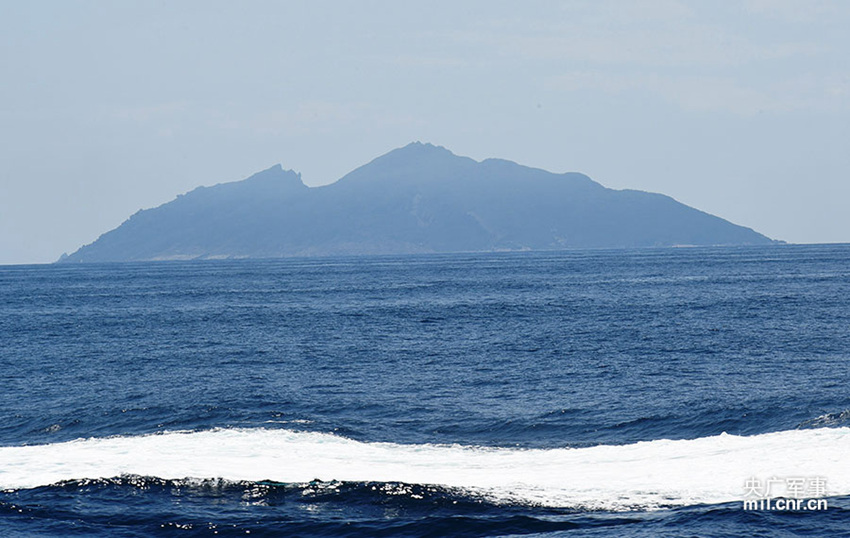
{"type": "Point", "coordinates": [741, 109]}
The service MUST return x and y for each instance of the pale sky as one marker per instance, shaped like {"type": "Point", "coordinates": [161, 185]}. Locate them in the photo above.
{"type": "Point", "coordinates": [741, 109]}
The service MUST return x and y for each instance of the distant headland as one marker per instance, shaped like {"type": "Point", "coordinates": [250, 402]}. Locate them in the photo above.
{"type": "Point", "coordinates": [417, 199]}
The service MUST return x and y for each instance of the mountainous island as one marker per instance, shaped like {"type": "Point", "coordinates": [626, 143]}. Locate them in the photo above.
{"type": "Point", "coordinates": [416, 199]}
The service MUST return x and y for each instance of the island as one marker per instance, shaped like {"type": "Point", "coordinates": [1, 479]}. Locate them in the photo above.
{"type": "Point", "coordinates": [420, 198]}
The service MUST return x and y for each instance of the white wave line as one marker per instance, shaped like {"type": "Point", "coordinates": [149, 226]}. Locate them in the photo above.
{"type": "Point", "coordinates": [646, 474]}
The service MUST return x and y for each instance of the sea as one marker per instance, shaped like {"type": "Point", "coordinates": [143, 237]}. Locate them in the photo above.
{"type": "Point", "coordinates": [647, 392]}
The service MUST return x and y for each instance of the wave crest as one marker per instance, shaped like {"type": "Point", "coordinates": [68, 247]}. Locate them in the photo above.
{"type": "Point", "coordinates": [645, 475]}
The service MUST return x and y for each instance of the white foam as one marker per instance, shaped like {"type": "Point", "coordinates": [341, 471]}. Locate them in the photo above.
{"type": "Point", "coordinates": [645, 475]}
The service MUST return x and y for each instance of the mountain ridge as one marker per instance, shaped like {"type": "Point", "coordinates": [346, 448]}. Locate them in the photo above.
{"type": "Point", "coordinates": [417, 198]}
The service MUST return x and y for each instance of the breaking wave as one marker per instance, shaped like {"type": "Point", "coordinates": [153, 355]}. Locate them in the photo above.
{"type": "Point", "coordinates": [645, 475]}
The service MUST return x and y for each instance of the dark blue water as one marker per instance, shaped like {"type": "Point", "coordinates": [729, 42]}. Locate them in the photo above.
{"type": "Point", "coordinates": [522, 350]}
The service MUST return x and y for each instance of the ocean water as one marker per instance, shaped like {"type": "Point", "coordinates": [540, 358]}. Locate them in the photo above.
{"type": "Point", "coordinates": [594, 393]}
